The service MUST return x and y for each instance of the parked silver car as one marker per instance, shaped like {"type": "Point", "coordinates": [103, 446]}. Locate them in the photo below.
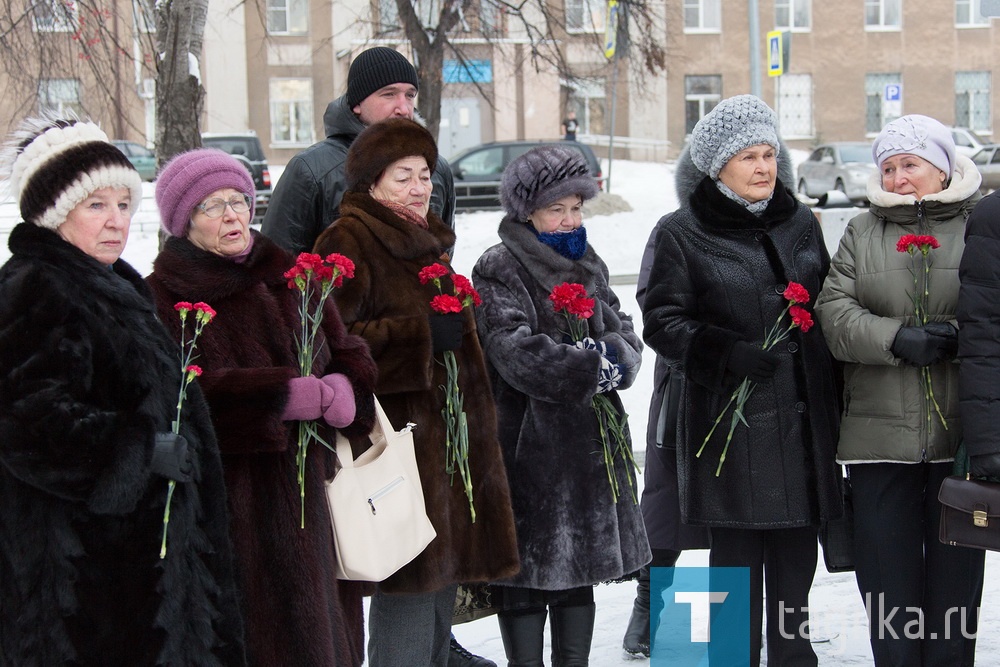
{"type": "Point", "coordinates": [839, 165]}
{"type": "Point", "coordinates": [988, 162]}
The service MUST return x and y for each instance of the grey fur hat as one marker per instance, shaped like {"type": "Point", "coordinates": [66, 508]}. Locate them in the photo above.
{"type": "Point", "coordinates": [733, 125]}
{"type": "Point", "coordinates": [543, 175]}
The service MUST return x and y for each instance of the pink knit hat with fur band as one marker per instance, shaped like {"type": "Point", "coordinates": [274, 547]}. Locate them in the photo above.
{"type": "Point", "coordinates": [190, 177]}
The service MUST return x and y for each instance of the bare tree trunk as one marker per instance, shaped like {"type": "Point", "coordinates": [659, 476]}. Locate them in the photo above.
{"type": "Point", "coordinates": [179, 93]}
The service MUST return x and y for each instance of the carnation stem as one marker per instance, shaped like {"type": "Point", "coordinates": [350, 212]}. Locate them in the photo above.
{"type": "Point", "coordinates": [166, 518]}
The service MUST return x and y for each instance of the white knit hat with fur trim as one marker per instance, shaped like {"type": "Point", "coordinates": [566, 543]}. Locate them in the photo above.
{"type": "Point", "coordinates": [53, 164]}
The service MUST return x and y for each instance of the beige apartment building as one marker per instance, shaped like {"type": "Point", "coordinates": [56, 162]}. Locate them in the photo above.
{"type": "Point", "coordinates": [852, 65]}
{"type": "Point", "coordinates": [272, 66]}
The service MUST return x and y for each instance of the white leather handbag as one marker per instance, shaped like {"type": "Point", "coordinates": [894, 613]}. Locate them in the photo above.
{"type": "Point", "coordinates": [377, 505]}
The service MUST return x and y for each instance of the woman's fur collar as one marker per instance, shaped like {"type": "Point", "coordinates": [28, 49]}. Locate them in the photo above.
{"type": "Point", "coordinates": [401, 238]}
{"type": "Point", "coordinates": [687, 176]}
{"type": "Point", "coordinates": [964, 184]}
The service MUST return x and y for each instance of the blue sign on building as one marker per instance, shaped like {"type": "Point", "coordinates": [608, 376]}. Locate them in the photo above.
{"type": "Point", "coordinates": [705, 618]}
{"type": "Point", "coordinates": [473, 71]}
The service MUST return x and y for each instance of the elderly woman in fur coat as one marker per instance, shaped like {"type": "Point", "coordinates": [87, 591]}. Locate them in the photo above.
{"type": "Point", "coordinates": [88, 388]}
{"type": "Point", "coordinates": [297, 613]}
{"type": "Point", "coordinates": [385, 226]}
{"type": "Point", "coordinates": [721, 267]}
{"type": "Point", "coordinates": [572, 530]}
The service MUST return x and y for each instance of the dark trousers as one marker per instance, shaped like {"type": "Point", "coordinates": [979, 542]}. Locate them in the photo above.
{"type": "Point", "coordinates": [784, 559]}
{"type": "Point", "coordinates": [901, 564]}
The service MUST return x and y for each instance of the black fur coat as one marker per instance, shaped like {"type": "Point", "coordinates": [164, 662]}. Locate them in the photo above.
{"type": "Point", "coordinates": [386, 304]}
{"type": "Point", "coordinates": [570, 531]}
{"type": "Point", "coordinates": [297, 613]}
{"type": "Point", "coordinates": [87, 377]}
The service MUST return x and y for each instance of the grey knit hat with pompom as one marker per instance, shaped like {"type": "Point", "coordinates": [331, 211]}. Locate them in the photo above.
{"type": "Point", "coordinates": [733, 125]}
{"type": "Point", "coordinates": [543, 175]}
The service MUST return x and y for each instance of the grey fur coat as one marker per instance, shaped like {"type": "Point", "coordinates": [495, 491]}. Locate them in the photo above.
{"type": "Point", "coordinates": [570, 532]}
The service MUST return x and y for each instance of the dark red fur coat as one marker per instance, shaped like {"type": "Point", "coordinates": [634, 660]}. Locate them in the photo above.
{"type": "Point", "coordinates": [386, 304]}
{"type": "Point", "coordinates": [291, 597]}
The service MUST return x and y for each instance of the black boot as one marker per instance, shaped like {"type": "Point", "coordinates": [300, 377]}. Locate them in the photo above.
{"type": "Point", "coordinates": [459, 656]}
{"type": "Point", "coordinates": [636, 642]}
{"type": "Point", "coordinates": [572, 632]}
{"type": "Point", "coordinates": [523, 635]}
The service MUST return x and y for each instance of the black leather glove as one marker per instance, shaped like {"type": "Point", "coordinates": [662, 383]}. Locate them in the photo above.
{"type": "Point", "coordinates": [947, 331]}
{"type": "Point", "coordinates": [985, 466]}
{"type": "Point", "coordinates": [446, 331]}
{"type": "Point", "coordinates": [172, 457]}
{"type": "Point", "coordinates": [920, 347]}
{"type": "Point", "coordinates": [750, 361]}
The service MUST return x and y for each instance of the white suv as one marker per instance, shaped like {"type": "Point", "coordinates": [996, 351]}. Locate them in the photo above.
{"type": "Point", "coordinates": [967, 142]}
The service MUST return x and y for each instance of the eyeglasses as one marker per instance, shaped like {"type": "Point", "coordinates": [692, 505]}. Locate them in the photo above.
{"type": "Point", "coordinates": [216, 206]}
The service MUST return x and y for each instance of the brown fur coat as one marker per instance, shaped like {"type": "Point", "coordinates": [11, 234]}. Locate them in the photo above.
{"type": "Point", "coordinates": [386, 304]}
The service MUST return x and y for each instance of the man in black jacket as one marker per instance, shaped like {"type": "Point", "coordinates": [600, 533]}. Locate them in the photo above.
{"type": "Point", "coordinates": [381, 84]}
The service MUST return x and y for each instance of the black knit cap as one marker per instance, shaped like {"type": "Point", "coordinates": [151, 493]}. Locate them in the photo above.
{"type": "Point", "coordinates": [377, 68]}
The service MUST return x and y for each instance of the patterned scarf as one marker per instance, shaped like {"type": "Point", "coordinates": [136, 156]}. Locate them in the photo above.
{"type": "Point", "coordinates": [405, 212]}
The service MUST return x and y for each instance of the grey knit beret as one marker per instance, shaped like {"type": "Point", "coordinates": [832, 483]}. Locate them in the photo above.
{"type": "Point", "coordinates": [543, 175]}
{"type": "Point", "coordinates": [733, 125]}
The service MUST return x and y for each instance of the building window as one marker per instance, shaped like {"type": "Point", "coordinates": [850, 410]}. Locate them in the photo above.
{"type": "Point", "coordinates": [795, 15]}
{"type": "Point", "coordinates": [291, 111]}
{"type": "Point", "coordinates": [59, 96]}
{"type": "Point", "coordinates": [585, 15]}
{"type": "Point", "coordinates": [973, 101]}
{"type": "Point", "coordinates": [701, 94]}
{"type": "Point", "coordinates": [489, 18]}
{"type": "Point", "coordinates": [429, 12]}
{"type": "Point", "coordinates": [702, 16]}
{"type": "Point", "coordinates": [587, 99]}
{"type": "Point", "coordinates": [795, 110]}
{"type": "Point", "coordinates": [144, 16]}
{"type": "Point", "coordinates": [287, 17]}
{"type": "Point", "coordinates": [968, 14]}
{"type": "Point", "coordinates": [55, 15]}
{"type": "Point", "coordinates": [388, 15]}
{"type": "Point", "coordinates": [883, 14]}
{"type": "Point", "coordinates": [876, 111]}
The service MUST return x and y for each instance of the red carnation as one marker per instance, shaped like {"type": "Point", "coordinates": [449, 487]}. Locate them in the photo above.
{"type": "Point", "coordinates": [432, 273]}
{"type": "Point", "coordinates": [905, 242]}
{"type": "Point", "coordinates": [801, 318]}
{"type": "Point", "coordinates": [324, 273]}
{"type": "Point", "coordinates": [205, 311]}
{"type": "Point", "coordinates": [193, 371]}
{"type": "Point", "coordinates": [183, 307]}
{"type": "Point", "coordinates": [308, 261]}
{"type": "Point", "coordinates": [446, 303]}
{"type": "Point", "coordinates": [342, 264]}
{"type": "Point", "coordinates": [566, 293]}
{"type": "Point", "coordinates": [582, 307]}
{"type": "Point", "coordinates": [465, 291]}
{"type": "Point", "coordinates": [796, 293]}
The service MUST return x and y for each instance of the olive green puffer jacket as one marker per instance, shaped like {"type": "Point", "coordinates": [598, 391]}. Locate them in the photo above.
{"type": "Point", "coordinates": [868, 296]}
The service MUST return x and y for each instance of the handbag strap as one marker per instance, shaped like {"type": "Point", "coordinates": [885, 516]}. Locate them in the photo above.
{"type": "Point", "coordinates": [381, 427]}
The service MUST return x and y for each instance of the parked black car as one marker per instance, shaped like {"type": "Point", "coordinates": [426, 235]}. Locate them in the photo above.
{"type": "Point", "coordinates": [246, 147]}
{"type": "Point", "coordinates": [478, 170]}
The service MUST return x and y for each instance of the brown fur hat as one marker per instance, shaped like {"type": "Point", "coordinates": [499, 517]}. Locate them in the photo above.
{"type": "Point", "coordinates": [381, 144]}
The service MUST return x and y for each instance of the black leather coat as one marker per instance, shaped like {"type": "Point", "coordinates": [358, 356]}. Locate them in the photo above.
{"type": "Point", "coordinates": [717, 277]}
{"type": "Point", "coordinates": [306, 199]}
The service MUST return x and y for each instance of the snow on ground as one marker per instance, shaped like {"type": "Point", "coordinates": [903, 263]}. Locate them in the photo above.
{"type": "Point", "coordinates": [837, 608]}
